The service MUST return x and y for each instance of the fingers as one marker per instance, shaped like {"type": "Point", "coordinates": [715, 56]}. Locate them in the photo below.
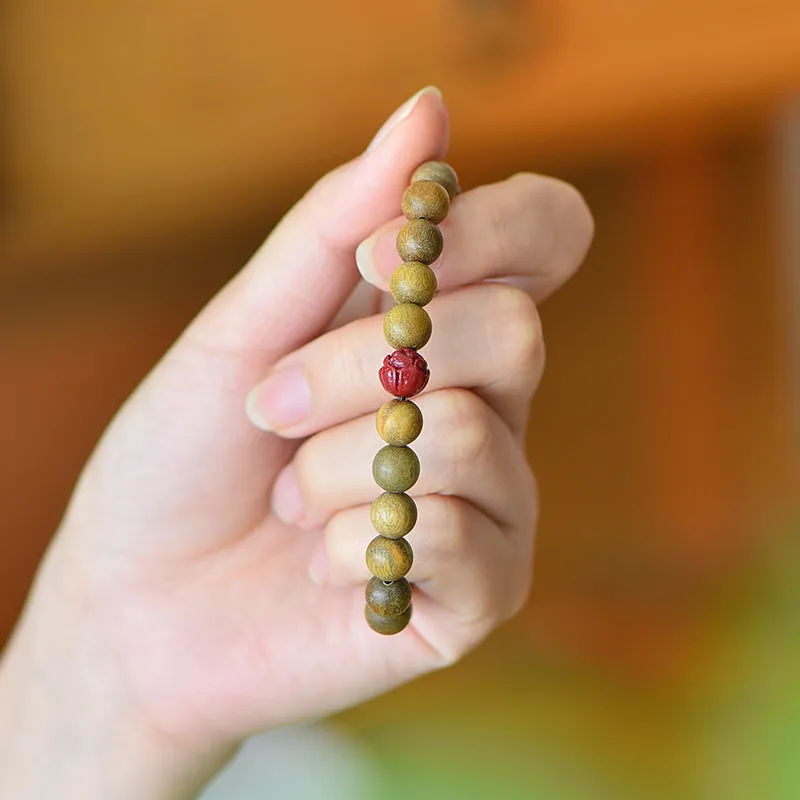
{"type": "Point", "coordinates": [532, 229]}
{"type": "Point", "coordinates": [465, 450]}
{"type": "Point", "coordinates": [463, 562]}
{"type": "Point", "coordinates": [296, 282]}
{"type": "Point", "coordinates": [185, 421]}
{"type": "Point", "coordinates": [486, 337]}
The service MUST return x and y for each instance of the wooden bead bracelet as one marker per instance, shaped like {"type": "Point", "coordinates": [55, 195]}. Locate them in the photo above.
{"type": "Point", "coordinates": [407, 328]}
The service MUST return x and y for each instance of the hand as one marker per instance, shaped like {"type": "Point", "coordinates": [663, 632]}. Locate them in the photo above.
{"type": "Point", "coordinates": [208, 578]}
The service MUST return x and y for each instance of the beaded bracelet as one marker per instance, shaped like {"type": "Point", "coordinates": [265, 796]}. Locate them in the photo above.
{"type": "Point", "coordinates": [407, 328]}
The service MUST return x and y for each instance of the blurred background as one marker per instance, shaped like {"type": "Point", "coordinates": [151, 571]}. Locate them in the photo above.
{"type": "Point", "coordinates": [149, 146]}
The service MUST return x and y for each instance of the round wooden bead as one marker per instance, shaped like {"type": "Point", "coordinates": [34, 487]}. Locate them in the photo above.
{"type": "Point", "coordinates": [395, 469]}
{"type": "Point", "coordinates": [399, 422]}
{"type": "Point", "coordinates": [389, 559]}
{"type": "Point", "coordinates": [407, 325]}
{"type": "Point", "coordinates": [420, 240]}
{"type": "Point", "coordinates": [426, 200]}
{"type": "Point", "coordinates": [388, 626]}
{"type": "Point", "coordinates": [439, 172]}
{"type": "Point", "coordinates": [393, 515]}
{"type": "Point", "coordinates": [388, 598]}
{"type": "Point", "coordinates": [413, 282]}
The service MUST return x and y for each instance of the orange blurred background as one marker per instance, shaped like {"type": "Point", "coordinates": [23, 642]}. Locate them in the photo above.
{"type": "Point", "coordinates": [148, 148]}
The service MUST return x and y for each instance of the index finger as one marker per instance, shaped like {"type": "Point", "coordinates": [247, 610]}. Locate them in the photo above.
{"type": "Point", "coordinates": [529, 230]}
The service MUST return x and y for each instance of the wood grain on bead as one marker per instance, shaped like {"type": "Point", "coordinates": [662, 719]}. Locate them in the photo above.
{"type": "Point", "coordinates": [407, 325]}
{"type": "Point", "coordinates": [419, 240]}
{"type": "Point", "coordinates": [393, 515]}
{"type": "Point", "coordinates": [426, 200]}
{"type": "Point", "coordinates": [399, 422]}
{"type": "Point", "coordinates": [389, 559]}
{"type": "Point", "coordinates": [404, 373]}
{"type": "Point", "coordinates": [388, 598]}
{"type": "Point", "coordinates": [388, 626]}
{"type": "Point", "coordinates": [395, 469]}
{"type": "Point", "coordinates": [438, 172]}
{"type": "Point", "coordinates": [413, 282]}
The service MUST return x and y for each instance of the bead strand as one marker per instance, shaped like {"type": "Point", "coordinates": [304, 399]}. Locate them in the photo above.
{"type": "Point", "coordinates": [407, 328]}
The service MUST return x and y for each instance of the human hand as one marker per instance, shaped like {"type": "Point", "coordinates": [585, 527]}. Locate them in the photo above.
{"type": "Point", "coordinates": [208, 578]}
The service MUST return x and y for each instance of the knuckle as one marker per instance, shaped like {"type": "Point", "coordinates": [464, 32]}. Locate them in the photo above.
{"type": "Point", "coordinates": [349, 358]}
{"type": "Point", "coordinates": [573, 224]}
{"type": "Point", "coordinates": [470, 429]}
{"type": "Point", "coordinates": [516, 332]}
{"type": "Point", "coordinates": [519, 588]}
{"type": "Point", "coordinates": [527, 501]}
{"type": "Point", "coordinates": [456, 528]}
{"type": "Point", "coordinates": [521, 566]}
{"type": "Point", "coordinates": [567, 225]}
{"type": "Point", "coordinates": [497, 215]}
{"type": "Point", "coordinates": [449, 521]}
{"type": "Point", "coordinates": [509, 210]}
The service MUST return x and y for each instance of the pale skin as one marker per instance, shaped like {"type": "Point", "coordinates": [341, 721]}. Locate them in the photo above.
{"type": "Point", "coordinates": [207, 580]}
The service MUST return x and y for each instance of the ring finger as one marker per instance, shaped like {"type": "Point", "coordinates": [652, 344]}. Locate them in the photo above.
{"type": "Point", "coordinates": [466, 450]}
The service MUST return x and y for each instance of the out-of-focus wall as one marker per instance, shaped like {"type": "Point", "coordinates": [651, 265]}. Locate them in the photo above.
{"type": "Point", "coordinates": [148, 148]}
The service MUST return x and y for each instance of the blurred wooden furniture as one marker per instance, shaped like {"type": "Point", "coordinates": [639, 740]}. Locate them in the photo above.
{"type": "Point", "coordinates": [155, 116]}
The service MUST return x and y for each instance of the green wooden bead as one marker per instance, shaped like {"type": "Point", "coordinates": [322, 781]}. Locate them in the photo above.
{"type": "Point", "coordinates": [389, 559]}
{"type": "Point", "coordinates": [426, 200]}
{"type": "Point", "coordinates": [388, 598]}
{"type": "Point", "coordinates": [407, 325]}
{"type": "Point", "coordinates": [395, 469]}
{"type": "Point", "coordinates": [420, 240]}
{"type": "Point", "coordinates": [439, 172]}
{"type": "Point", "coordinates": [393, 515]}
{"type": "Point", "coordinates": [413, 282]}
{"type": "Point", "coordinates": [399, 422]}
{"type": "Point", "coordinates": [388, 626]}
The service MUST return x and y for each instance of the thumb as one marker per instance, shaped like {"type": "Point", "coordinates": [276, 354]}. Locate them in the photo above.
{"type": "Point", "coordinates": [299, 278]}
{"type": "Point", "coordinates": [181, 455]}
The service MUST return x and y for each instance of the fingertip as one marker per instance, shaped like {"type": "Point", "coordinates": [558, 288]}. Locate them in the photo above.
{"type": "Point", "coordinates": [377, 257]}
{"type": "Point", "coordinates": [366, 263]}
{"type": "Point", "coordinates": [281, 402]}
{"type": "Point", "coordinates": [420, 131]}
{"type": "Point", "coordinates": [287, 501]}
{"type": "Point", "coordinates": [251, 409]}
{"type": "Point", "coordinates": [402, 112]}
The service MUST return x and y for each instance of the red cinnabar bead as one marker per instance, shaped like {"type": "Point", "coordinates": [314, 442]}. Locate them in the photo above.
{"type": "Point", "coordinates": [404, 373]}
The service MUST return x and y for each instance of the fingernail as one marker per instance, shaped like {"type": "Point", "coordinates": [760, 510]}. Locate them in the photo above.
{"type": "Point", "coordinates": [287, 503]}
{"type": "Point", "coordinates": [319, 567]}
{"type": "Point", "coordinates": [281, 401]}
{"type": "Point", "coordinates": [377, 258]}
{"type": "Point", "coordinates": [365, 262]}
{"type": "Point", "coordinates": [400, 114]}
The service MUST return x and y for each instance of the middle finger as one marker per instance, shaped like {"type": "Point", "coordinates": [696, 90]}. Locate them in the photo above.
{"type": "Point", "coordinates": [486, 337]}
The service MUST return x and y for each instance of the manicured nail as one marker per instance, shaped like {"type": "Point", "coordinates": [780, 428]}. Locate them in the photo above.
{"type": "Point", "coordinates": [281, 401]}
{"type": "Point", "coordinates": [287, 503]}
{"type": "Point", "coordinates": [319, 566]}
{"type": "Point", "coordinates": [400, 114]}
